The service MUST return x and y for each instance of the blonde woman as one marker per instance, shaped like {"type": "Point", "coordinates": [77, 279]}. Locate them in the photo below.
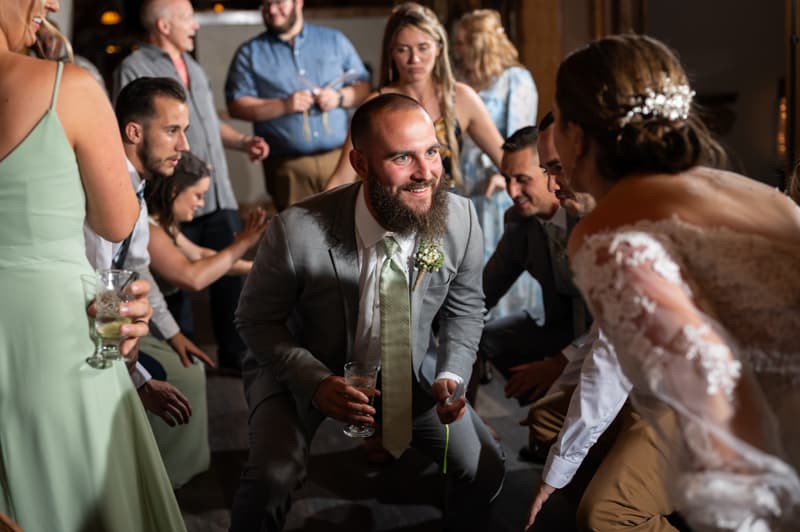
{"type": "Point", "coordinates": [487, 61]}
{"type": "Point", "coordinates": [72, 436]}
{"type": "Point", "coordinates": [415, 62]}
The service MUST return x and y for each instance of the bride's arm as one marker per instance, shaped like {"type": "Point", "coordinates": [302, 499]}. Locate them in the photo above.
{"type": "Point", "coordinates": [641, 301]}
{"type": "Point", "coordinates": [676, 353]}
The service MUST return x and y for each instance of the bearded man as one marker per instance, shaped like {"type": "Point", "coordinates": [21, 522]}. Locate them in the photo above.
{"type": "Point", "coordinates": [295, 81]}
{"type": "Point", "coordinates": [359, 274]}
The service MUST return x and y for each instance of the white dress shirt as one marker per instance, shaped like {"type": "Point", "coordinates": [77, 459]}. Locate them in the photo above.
{"type": "Point", "coordinates": [371, 254]}
{"type": "Point", "coordinates": [601, 392]}
{"type": "Point", "coordinates": [101, 253]}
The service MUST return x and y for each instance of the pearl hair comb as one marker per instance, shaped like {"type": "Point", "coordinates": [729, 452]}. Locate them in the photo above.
{"type": "Point", "coordinates": [671, 101]}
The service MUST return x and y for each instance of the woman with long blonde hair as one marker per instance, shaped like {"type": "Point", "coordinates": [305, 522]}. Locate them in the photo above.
{"type": "Point", "coordinates": [77, 450]}
{"type": "Point", "coordinates": [415, 62]}
{"type": "Point", "coordinates": [488, 62]}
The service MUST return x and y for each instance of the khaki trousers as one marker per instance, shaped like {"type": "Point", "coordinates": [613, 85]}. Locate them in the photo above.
{"type": "Point", "coordinates": [623, 474]}
{"type": "Point", "coordinates": [291, 179]}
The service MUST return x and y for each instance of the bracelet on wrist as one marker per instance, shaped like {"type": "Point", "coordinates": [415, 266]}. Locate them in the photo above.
{"type": "Point", "coordinates": [341, 99]}
{"type": "Point", "coordinates": [244, 140]}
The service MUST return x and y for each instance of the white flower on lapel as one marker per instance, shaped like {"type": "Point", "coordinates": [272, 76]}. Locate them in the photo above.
{"type": "Point", "coordinates": [428, 258]}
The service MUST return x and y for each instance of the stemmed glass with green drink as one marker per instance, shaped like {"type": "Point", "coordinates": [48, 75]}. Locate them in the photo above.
{"type": "Point", "coordinates": [112, 290]}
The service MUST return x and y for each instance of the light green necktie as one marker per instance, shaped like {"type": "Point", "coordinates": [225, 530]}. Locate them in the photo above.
{"type": "Point", "coordinates": [395, 353]}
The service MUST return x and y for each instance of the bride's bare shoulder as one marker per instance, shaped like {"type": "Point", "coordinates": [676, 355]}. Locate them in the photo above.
{"type": "Point", "coordinates": [629, 201]}
{"type": "Point", "coordinates": [703, 197]}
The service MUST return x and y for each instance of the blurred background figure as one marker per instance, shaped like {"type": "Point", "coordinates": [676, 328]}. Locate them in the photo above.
{"type": "Point", "coordinates": [415, 62]}
{"type": "Point", "coordinates": [295, 82]}
{"type": "Point", "coordinates": [171, 28]}
{"type": "Point", "coordinates": [50, 44]}
{"type": "Point", "coordinates": [486, 60]}
{"type": "Point", "coordinates": [177, 262]}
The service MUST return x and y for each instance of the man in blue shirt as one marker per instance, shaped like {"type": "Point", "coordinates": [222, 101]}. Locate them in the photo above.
{"type": "Point", "coordinates": [294, 82]}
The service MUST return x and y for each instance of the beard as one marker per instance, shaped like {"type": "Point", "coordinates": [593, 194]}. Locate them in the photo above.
{"type": "Point", "coordinates": [278, 30]}
{"type": "Point", "coordinates": [153, 166]}
{"type": "Point", "coordinates": [397, 217]}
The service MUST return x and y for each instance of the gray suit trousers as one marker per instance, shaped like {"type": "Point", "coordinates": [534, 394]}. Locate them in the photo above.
{"type": "Point", "coordinates": [279, 451]}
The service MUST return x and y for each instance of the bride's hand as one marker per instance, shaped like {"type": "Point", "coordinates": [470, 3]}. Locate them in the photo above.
{"type": "Point", "coordinates": [544, 492]}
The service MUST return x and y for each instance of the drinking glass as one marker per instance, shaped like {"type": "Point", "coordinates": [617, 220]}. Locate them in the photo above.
{"type": "Point", "coordinates": [112, 290]}
{"type": "Point", "coordinates": [89, 282]}
{"type": "Point", "coordinates": [363, 376]}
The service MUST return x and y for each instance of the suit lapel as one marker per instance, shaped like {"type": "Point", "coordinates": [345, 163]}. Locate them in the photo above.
{"type": "Point", "coordinates": [417, 300]}
{"type": "Point", "coordinates": [344, 258]}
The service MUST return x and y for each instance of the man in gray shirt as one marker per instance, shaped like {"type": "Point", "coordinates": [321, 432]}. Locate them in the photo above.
{"type": "Point", "coordinates": [171, 27]}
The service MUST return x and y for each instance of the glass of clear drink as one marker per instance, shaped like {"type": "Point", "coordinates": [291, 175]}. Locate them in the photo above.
{"type": "Point", "coordinates": [96, 360]}
{"type": "Point", "coordinates": [112, 290]}
{"type": "Point", "coordinates": [362, 376]}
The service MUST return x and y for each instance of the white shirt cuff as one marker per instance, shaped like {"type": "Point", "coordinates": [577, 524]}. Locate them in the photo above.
{"type": "Point", "coordinates": [581, 345]}
{"type": "Point", "coordinates": [140, 376]}
{"type": "Point", "coordinates": [558, 472]}
{"type": "Point", "coordinates": [449, 375]}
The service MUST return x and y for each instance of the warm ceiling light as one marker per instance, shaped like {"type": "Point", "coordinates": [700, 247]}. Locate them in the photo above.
{"type": "Point", "coordinates": [113, 49]}
{"type": "Point", "coordinates": [110, 18]}
{"type": "Point", "coordinates": [218, 8]}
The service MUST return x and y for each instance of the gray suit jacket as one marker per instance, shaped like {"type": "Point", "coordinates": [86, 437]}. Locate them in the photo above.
{"type": "Point", "coordinates": [299, 306]}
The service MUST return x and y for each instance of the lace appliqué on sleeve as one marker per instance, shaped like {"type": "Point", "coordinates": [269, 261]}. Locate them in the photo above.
{"type": "Point", "coordinates": [733, 478]}
{"type": "Point", "coordinates": [722, 373]}
{"type": "Point", "coordinates": [619, 283]}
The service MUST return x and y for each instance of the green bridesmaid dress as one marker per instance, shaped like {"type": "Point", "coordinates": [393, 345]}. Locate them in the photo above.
{"type": "Point", "coordinates": [76, 449]}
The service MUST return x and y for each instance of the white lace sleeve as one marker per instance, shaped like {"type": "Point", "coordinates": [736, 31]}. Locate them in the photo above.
{"type": "Point", "coordinates": [673, 352]}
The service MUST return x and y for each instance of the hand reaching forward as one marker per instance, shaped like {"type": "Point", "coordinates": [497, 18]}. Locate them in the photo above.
{"type": "Point", "coordinates": [253, 228]}
{"type": "Point", "coordinates": [542, 494]}
{"type": "Point", "coordinates": [532, 380]}
{"type": "Point", "coordinates": [442, 390]}
{"type": "Point", "coordinates": [344, 403]}
{"type": "Point", "coordinates": [165, 401]}
{"type": "Point", "coordinates": [186, 349]}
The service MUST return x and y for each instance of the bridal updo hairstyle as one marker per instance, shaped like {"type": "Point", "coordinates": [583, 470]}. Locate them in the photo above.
{"type": "Point", "coordinates": [631, 96]}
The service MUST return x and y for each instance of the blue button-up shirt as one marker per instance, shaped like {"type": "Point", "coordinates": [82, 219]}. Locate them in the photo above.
{"type": "Point", "coordinates": [268, 67]}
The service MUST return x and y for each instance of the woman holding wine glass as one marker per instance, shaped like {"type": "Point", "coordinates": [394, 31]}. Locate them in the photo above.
{"type": "Point", "coordinates": [76, 451]}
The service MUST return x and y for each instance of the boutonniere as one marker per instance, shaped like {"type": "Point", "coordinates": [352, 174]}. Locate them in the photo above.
{"type": "Point", "coordinates": [428, 258]}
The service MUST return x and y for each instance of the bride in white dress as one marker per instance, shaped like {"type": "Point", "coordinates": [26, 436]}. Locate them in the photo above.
{"type": "Point", "coordinates": [694, 276]}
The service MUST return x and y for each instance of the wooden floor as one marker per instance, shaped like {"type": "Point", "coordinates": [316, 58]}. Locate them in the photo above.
{"type": "Point", "coordinates": [344, 492]}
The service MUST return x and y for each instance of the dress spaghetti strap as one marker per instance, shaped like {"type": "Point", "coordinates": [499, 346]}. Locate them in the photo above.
{"type": "Point", "coordinates": [59, 70]}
